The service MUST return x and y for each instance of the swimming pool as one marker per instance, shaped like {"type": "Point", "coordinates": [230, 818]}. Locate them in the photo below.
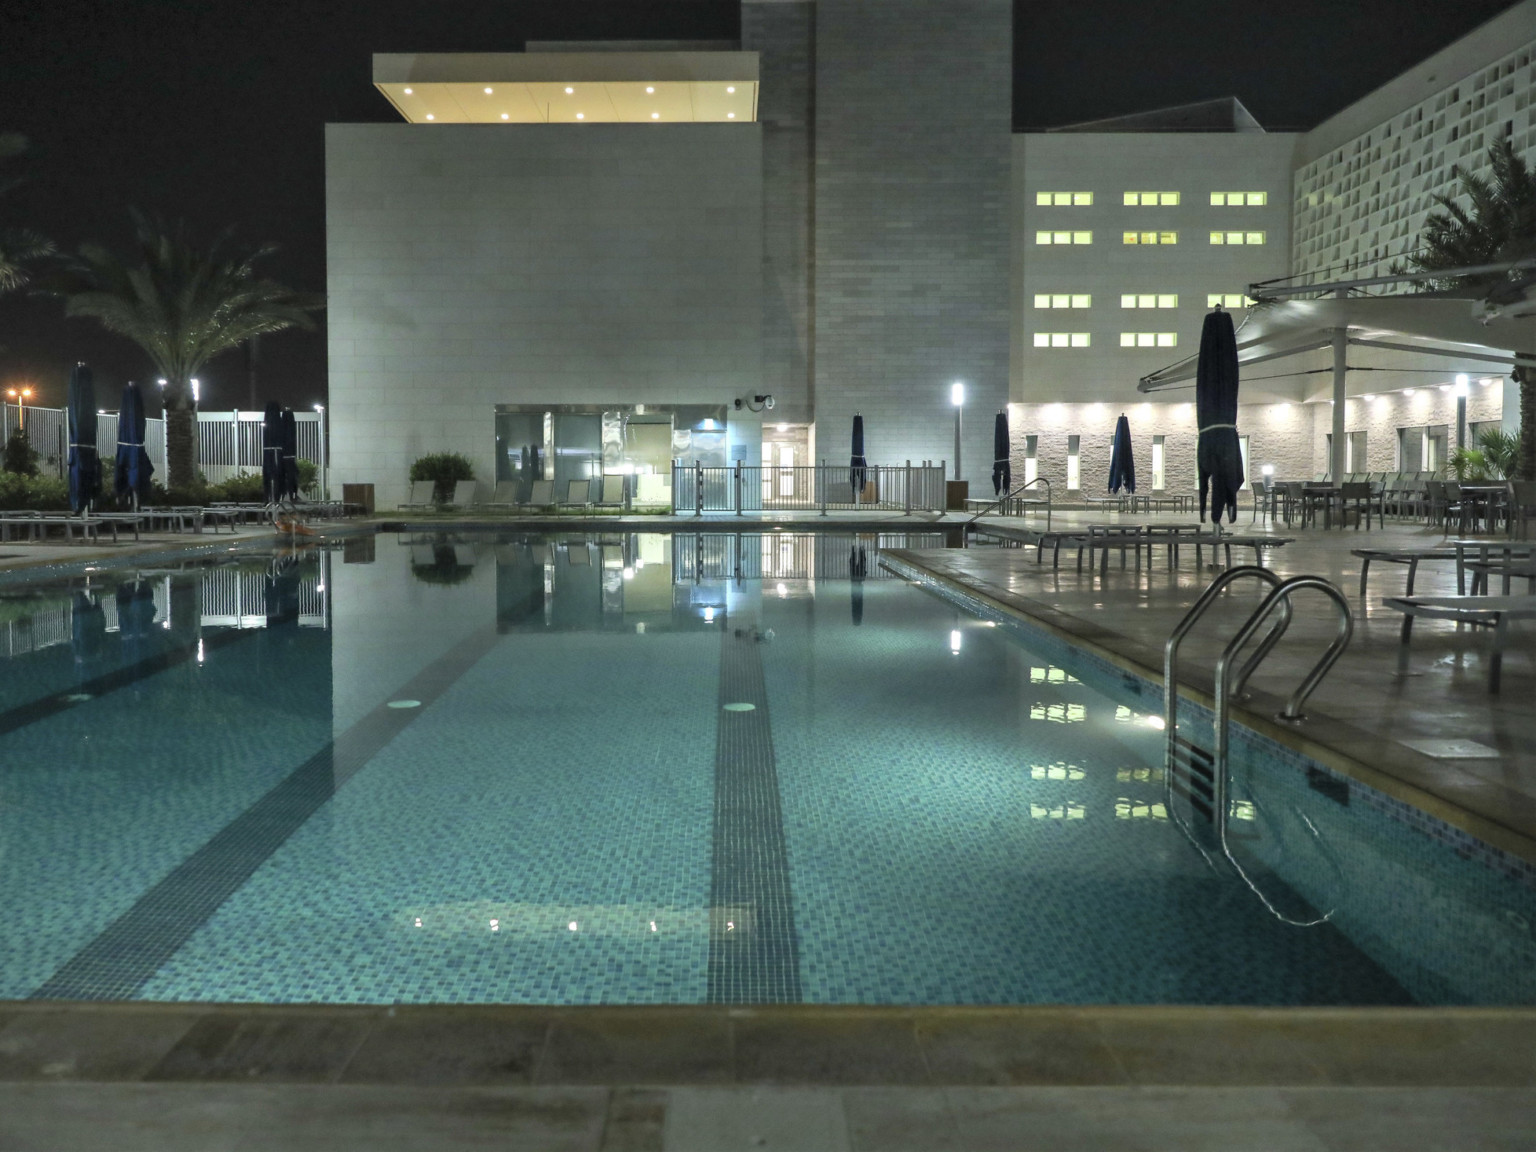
{"type": "Point", "coordinates": [644, 768]}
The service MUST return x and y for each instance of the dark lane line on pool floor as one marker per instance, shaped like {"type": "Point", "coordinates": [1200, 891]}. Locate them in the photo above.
{"type": "Point", "coordinates": [754, 952]}
{"type": "Point", "coordinates": [130, 950]}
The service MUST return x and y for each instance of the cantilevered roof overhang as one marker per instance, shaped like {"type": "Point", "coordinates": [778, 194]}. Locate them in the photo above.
{"type": "Point", "coordinates": [1455, 327]}
{"type": "Point", "coordinates": [570, 87]}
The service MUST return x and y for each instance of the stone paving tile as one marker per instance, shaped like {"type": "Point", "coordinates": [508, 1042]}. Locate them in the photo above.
{"type": "Point", "coordinates": [825, 1047]}
{"type": "Point", "coordinates": [1044, 1047]}
{"type": "Point", "coordinates": [1394, 1119]}
{"type": "Point", "coordinates": [636, 1120]}
{"type": "Point", "coordinates": [472, 1046]}
{"type": "Point", "coordinates": [70, 1044]}
{"type": "Point", "coordinates": [301, 1048]}
{"type": "Point", "coordinates": [900, 1120]}
{"type": "Point", "coordinates": [1128, 1120]}
{"type": "Point", "coordinates": [749, 1119]}
{"type": "Point", "coordinates": [638, 1046]}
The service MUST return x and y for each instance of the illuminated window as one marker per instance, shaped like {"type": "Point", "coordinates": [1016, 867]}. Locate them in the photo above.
{"type": "Point", "coordinates": [1074, 467]}
{"type": "Point", "coordinates": [1228, 300]}
{"type": "Point", "coordinates": [1031, 462]}
{"type": "Point", "coordinates": [1063, 199]}
{"type": "Point", "coordinates": [1149, 339]}
{"type": "Point", "coordinates": [1063, 237]}
{"type": "Point", "coordinates": [1061, 339]}
{"type": "Point", "coordinates": [1151, 199]}
{"type": "Point", "coordinates": [1240, 199]}
{"type": "Point", "coordinates": [1062, 300]}
{"type": "Point", "coordinates": [1237, 237]}
{"type": "Point", "coordinates": [1150, 237]}
{"type": "Point", "coordinates": [1149, 300]}
{"type": "Point", "coordinates": [1159, 476]}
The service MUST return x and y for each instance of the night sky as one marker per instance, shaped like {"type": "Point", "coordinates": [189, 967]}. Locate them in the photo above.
{"type": "Point", "coordinates": [213, 111]}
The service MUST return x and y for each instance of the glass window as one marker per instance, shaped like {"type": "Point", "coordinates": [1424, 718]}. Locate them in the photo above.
{"type": "Point", "coordinates": [1158, 478]}
{"type": "Point", "coordinates": [1062, 300]}
{"type": "Point", "coordinates": [1167, 301]}
{"type": "Point", "coordinates": [1240, 199]}
{"type": "Point", "coordinates": [1228, 300]}
{"type": "Point", "coordinates": [1152, 199]}
{"type": "Point", "coordinates": [1074, 463]}
{"type": "Point", "coordinates": [1149, 339]}
{"type": "Point", "coordinates": [1354, 452]}
{"type": "Point", "coordinates": [1063, 199]}
{"type": "Point", "coordinates": [1082, 237]}
{"type": "Point", "coordinates": [1031, 463]}
{"type": "Point", "coordinates": [1242, 447]}
{"type": "Point", "coordinates": [1061, 339]}
{"type": "Point", "coordinates": [1150, 237]}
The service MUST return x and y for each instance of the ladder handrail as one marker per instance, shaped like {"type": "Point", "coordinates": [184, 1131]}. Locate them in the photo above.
{"type": "Point", "coordinates": [1009, 496]}
{"type": "Point", "coordinates": [1227, 685]}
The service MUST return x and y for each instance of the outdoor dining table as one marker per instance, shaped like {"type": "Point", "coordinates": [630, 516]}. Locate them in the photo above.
{"type": "Point", "coordinates": [1328, 496]}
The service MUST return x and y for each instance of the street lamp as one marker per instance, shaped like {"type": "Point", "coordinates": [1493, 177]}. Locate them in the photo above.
{"type": "Point", "coordinates": [1462, 384]}
{"type": "Point", "coordinates": [21, 396]}
{"type": "Point", "coordinates": [957, 398]}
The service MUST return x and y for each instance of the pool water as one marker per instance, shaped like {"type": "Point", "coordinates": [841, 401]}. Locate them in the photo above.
{"type": "Point", "coordinates": [639, 768]}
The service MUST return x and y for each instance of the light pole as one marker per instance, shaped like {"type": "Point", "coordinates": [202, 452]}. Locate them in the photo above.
{"type": "Point", "coordinates": [325, 486]}
{"type": "Point", "coordinates": [957, 398]}
{"type": "Point", "coordinates": [21, 396]}
{"type": "Point", "coordinates": [1461, 410]}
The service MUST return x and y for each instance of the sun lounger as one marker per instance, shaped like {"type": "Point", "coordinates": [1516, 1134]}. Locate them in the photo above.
{"type": "Point", "coordinates": [578, 494]}
{"type": "Point", "coordinates": [1411, 557]}
{"type": "Point", "coordinates": [1495, 611]}
{"type": "Point", "coordinates": [421, 495]}
{"type": "Point", "coordinates": [463, 495]}
{"type": "Point", "coordinates": [543, 494]}
{"type": "Point", "coordinates": [505, 495]}
{"type": "Point", "coordinates": [613, 492]}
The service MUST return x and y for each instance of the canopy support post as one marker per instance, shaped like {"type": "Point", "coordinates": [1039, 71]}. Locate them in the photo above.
{"type": "Point", "coordinates": [1340, 346]}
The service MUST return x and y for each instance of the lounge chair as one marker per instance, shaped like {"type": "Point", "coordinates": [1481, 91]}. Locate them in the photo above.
{"type": "Point", "coordinates": [463, 495]}
{"type": "Point", "coordinates": [421, 495]}
{"type": "Point", "coordinates": [613, 492]}
{"type": "Point", "coordinates": [543, 494]}
{"type": "Point", "coordinates": [578, 494]}
{"type": "Point", "coordinates": [505, 495]}
{"type": "Point", "coordinates": [1496, 611]}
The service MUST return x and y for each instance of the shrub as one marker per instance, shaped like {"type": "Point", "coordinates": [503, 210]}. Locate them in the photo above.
{"type": "Point", "coordinates": [309, 475]}
{"type": "Point", "coordinates": [242, 488]}
{"type": "Point", "coordinates": [444, 469]}
{"type": "Point", "coordinates": [162, 497]}
{"type": "Point", "coordinates": [35, 493]}
{"type": "Point", "coordinates": [20, 456]}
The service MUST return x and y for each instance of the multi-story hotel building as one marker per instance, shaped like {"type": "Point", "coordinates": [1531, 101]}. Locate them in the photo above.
{"type": "Point", "coordinates": [595, 250]}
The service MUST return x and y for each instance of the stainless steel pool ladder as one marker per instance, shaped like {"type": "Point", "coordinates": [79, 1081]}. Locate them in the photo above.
{"type": "Point", "coordinates": [1202, 776]}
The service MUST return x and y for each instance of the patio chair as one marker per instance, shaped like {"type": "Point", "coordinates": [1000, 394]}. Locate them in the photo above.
{"type": "Point", "coordinates": [612, 493]}
{"type": "Point", "coordinates": [463, 495]}
{"type": "Point", "coordinates": [578, 494]}
{"type": "Point", "coordinates": [1522, 506]}
{"type": "Point", "coordinates": [1362, 499]}
{"type": "Point", "coordinates": [505, 495]}
{"type": "Point", "coordinates": [543, 494]}
{"type": "Point", "coordinates": [421, 495]}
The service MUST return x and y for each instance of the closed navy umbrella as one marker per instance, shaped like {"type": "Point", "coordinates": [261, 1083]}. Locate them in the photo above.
{"type": "Point", "coordinates": [133, 469]}
{"type": "Point", "coordinates": [1002, 469]}
{"type": "Point", "coordinates": [858, 467]}
{"type": "Point", "coordinates": [84, 465]}
{"type": "Point", "coordinates": [272, 451]}
{"type": "Point", "coordinates": [290, 468]}
{"type": "Point", "coordinates": [1122, 462]}
{"type": "Point", "coordinates": [1219, 456]}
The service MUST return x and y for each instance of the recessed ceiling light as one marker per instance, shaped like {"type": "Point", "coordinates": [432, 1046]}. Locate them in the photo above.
{"type": "Point", "coordinates": [568, 91]}
{"type": "Point", "coordinates": [408, 91]}
{"type": "Point", "coordinates": [649, 89]}
{"type": "Point", "coordinates": [732, 88]}
{"type": "Point", "coordinates": [430, 116]}
{"type": "Point", "coordinates": [730, 115]}
{"type": "Point", "coordinates": [581, 116]}
{"type": "Point", "coordinates": [504, 116]}
{"type": "Point", "coordinates": [655, 115]}
{"type": "Point", "coordinates": [488, 91]}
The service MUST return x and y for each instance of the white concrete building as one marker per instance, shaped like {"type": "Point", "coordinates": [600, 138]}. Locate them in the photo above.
{"type": "Point", "coordinates": [574, 260]}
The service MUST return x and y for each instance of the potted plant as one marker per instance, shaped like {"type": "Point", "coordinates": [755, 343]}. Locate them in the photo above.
{"type": "Point", "coordinates": [444, 469]}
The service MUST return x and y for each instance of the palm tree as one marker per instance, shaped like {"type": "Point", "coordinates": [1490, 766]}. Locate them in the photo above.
{"type": "Point", "coordinates": [19, 247]}
{"type": "Point", "coordinates": [183, 303]}
{"type": "Point", "coordinates": [1497, 226]}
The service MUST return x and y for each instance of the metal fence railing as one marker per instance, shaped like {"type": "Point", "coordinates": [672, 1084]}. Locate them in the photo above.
{"type": "Point", "coordinates": [228, 442]}
{"type": "Point", "coordinates": [742, 488]}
